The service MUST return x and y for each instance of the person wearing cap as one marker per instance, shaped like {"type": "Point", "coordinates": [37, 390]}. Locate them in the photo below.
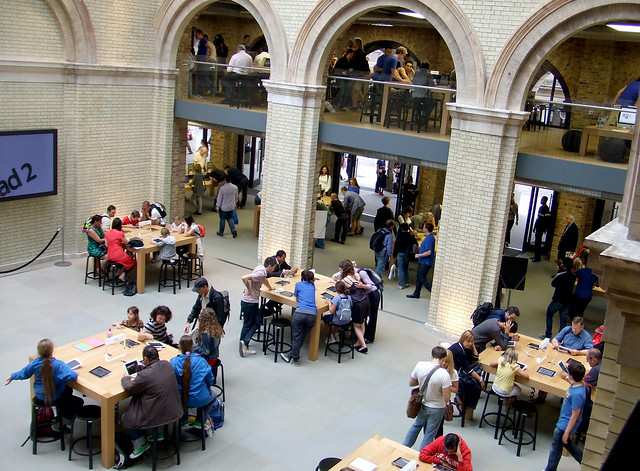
{"type": "Point", "coordinates": [206, 298]}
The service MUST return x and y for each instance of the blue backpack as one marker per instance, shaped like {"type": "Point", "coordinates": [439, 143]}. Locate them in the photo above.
{"type": "Point", "coordinates": [217, 414]}
{"type": "Point", "coordinates": [342, 315]}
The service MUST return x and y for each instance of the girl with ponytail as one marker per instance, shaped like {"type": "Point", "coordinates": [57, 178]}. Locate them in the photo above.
{"type": "Point", "coordinates": [51, 376]}
{"type": "Point", "coordinates": [194, 377]}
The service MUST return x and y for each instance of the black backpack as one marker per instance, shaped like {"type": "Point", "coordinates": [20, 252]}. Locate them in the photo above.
{"type": "Point", "coordinates": [481, 313]}
{"type": "Point", "coordinates": [223, 316]}
{"type": "Point", "coordinates": [160, 208]}
{"type": "Point", "coordinates": [376, 243]}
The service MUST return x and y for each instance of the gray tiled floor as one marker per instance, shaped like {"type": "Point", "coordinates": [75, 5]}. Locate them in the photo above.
{"type": "Point", "coordinates": [278, 417]}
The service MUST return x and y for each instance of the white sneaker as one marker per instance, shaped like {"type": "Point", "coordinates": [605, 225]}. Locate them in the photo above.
{"type": "Point", "coordinates": [249, 351]}
{"type": "Point", "coordinates": [242, 349]}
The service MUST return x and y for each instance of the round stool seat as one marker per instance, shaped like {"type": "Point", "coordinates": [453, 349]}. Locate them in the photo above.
{"type": "Point", "coordinates": [89, 412]}
{"type": "Point", "coordinates": [522, 410]}
{"type": "Point", "coordinates": [281, 322]}
{"type": "Point", "coordinates": [275, 340]}
{"type": "Point", "coordinates": [327, 463]}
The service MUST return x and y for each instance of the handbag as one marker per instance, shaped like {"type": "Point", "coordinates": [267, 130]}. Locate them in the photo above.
{"type": "Point", "coordinates": [448, 412]}
{"type": "Point", "coordinates": [417, 394]}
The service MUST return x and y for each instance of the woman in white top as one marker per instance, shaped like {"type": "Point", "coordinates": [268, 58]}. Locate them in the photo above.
{"type": "Point", "coordinates": [324, 180]}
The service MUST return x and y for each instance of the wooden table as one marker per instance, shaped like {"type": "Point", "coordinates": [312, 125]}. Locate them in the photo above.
{"type": "Point", "coordinates": [446, 93]}
{"type": "Point", "coordinates": [555, 385]}
{"type": "Point", "coordinates": [107, 391]}
{"type": "Point", "coordinates": [322, 283]}
{"type": "Point", "coordinates": [607, 131]}
{"type": "Point", "coordinates": [147, 233]}
{"type": "Point", "coordinates": [381, 451]}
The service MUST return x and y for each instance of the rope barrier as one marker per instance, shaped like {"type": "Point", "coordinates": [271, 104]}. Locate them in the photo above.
{"type": "Point", "coordinates": [34, 258]}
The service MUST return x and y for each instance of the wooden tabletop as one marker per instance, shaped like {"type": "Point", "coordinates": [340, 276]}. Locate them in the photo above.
{"type": "Point", "coordinates": [322, 283]}
{"type": "Point", "coordinates": [606, 131]}
{"type": "Point", "coordinates": [529, 356]}
{"type": "Point", "coordinates": [107, 391]}
{"type": "Point", "coordinates": [381, 451]}
{"type": "Point", "coordinates": [147, 234]}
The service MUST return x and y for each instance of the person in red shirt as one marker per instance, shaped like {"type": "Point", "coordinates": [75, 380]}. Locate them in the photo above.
{"type": "Point", "coordinates": [133, 219]}
{"type": "Point", "coordinates": [450, 452]}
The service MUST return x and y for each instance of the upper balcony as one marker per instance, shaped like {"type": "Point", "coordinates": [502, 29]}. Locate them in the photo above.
{"type": "Point", "coordinates": [567, 146]}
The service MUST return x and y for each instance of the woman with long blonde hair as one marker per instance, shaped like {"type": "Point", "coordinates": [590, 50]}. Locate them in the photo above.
{"type": "Point", "coordinates": [51, 378]}
{"type": "Point", "coordinates": [471, 384]}
{"type": "Point", "coordinates": [208, 340]}
{"type": "Point", "coordinates": [508, 368]}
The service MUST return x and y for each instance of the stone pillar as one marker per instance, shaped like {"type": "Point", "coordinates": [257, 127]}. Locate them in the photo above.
{"type": "Point", "coordinates": [582, 208]}
{"type": "Point", "coordinates": [479, 178]}
{"type": "Point", "coordinates": [630, 207]}
{"type": "Point", "coordinates": [616, 260]}
{"type": "Point", "coordinates": [175, 206]}
{"type": "Point", "coordinates": [289, 175]}
{"type": "Point", "coordinates": [430, 188]}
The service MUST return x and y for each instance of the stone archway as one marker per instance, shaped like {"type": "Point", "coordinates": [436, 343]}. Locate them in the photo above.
{"type": "Point", "coordinates": [330, 18]}
{"type": "Point", "coordinates": [527, 49]}
{"type": "Point", "coordinates": [173, 16]}
{"type": "Point", "coordinates": [77, 30]}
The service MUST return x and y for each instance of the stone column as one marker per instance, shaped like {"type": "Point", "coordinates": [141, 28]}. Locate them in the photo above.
{"type": "Point", "coordinates": [289, 175]}
{"type": "Point", "coordinates": [480, 170]}
{"type": "Point", "coordinates": [615, 258]}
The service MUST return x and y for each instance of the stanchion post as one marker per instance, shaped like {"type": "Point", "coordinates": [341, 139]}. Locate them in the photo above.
{"type": "Point", "coordinates": [63, 262]}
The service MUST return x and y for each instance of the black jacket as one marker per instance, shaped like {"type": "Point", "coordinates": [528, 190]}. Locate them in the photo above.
{"type": "Point", "coordinates": [215, 302]}
{"type": "Point", "coordinates": [382, 216]}
{"type": "Point", "coordinates": [569, 239]}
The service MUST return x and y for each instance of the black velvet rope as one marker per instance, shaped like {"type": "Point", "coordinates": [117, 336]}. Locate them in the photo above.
{"type": "Point", "coordinates": [34, 258]}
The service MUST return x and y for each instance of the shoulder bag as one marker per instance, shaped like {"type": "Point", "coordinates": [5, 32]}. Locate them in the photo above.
{"type": "Point", "coordinates": [417, 394]}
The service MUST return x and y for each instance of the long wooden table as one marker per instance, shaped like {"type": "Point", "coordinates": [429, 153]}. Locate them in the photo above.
{"type": "Point", "coordinates": [554, 385]}
{"type": "Point", "coordinates": [381, 451]}
{"type": "Point", "coordinates": [147, 234]}
{"type": "Point", "coordinates": [322, 283]}
{"type": "Point", "coordinates": [107, 391]}
{"type": "Point", "coordinates": [607, 131]}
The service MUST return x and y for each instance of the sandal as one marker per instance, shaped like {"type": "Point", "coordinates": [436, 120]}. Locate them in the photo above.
{"type": "Point", "coordinates": [458, 404]}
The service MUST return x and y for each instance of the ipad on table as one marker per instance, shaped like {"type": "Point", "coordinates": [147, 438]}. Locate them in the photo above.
{"type": "Point", "coordinates": [75, 363]}
{"type": "Point", "coordinates": [100, 371]}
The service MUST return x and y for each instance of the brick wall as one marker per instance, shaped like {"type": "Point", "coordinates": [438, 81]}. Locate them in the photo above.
{"type": "Point", "coordinates": [582, 208]}
{"type": "Point", "coordinates": [430, 188]}
{"type": "Point", "coordinates": [224, 148]}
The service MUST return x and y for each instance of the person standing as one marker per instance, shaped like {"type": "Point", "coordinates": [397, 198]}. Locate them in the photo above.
{"type": "Point", "coordinates": [324, 181]}
{"type": "Point", "coordinates": [355, 204]}
{"type": "Point", "coordinates": [569, 238]}
{"type": "Point", "coordinates": [584, 289]}
{"type": "Point", "coordinates": [542, 224]}
{"type": "Point", "coordinates": [563, 283]}
{"type": "Point", "coordinates": [304, 317]}
{"type": "Point", "coordinates": [342, 219]}
{"type": "Point", "coordinates": [383, 255]}
{"type": "Point", "coordinates": [197, 183]}
{"type": "Point", "coordinates": [381, 177]}
{"type": "Point", "coordinates": [222, 52]}
{"type": "Point", "coordinates": [249, 304]}
{"type": "Point", "coordinates": [426, 258]}
{"type": "Point", "coordinates": [200, 157]}
{"type": "Point", "coordinates": [405, 242]}
{"type": "Point", "coordinates": [226, 205]}
{"type": "Point", "coordinates": [201, 68]}
{"type": "Point", "coordinates": [512, 218]}
{"type": "Point", "coordinates": [383, 214]}
{"type": "Point", "coordinates": [570, 417]}
{"type": "Point", "coordinates": [208, 297]}
{"type": "Point", "coordinates": [436, 396]}
{"type": "Point", "coordinates": [241, 181]}
{"type": "Point", "coordinates": [409, 193]}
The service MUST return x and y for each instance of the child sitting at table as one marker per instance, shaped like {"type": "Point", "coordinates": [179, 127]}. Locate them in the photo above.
{"type": "Point", "coordinates": [177, 224]}
{"type": "Point", "coordinates": [132, 220]}
{"type": "Point", "coordinates": [156, 326]}
{"type": "Point", "coordinates": [167, 244]}
{"type": "Point", "coordinates": [132, 321]}
{"type": "Point", "coordinates": [335, 315]}
{"type": "Point", "coordinates": [508, 368]}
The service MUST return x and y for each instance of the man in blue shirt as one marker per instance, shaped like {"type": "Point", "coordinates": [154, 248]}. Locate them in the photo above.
{"type": "Point", "coordinates": [382, 256]}
{"type": "Point", "coordinates": [512, 312]}
{"type": "Point", "coordinates": [574, 338]}
{"type": "Point", "coordinates": [426, 257]}
{"type": "Point", "coordinates": [377, 70]}
{"type": "Point", "coordinates": [570, 417]}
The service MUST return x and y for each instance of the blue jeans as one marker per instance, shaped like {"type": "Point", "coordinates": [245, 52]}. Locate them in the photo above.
{"type": "Point", "coordinates": [381, 261]}
{"type": "Point", "coordinates": [251, 318]}
{"type": "Point", "coordinates": [423, 271]}
{"type": "Point", "coordinates": [301, 325]}
{"type": "Point", "coordinates": [428, 420]}
{"type": "Point", "coordinates": [556, 450]}
{"type": "Point", "coordinates": [224, 217]}
{"type": "Point", "coordinates": [402, 265]}
{"type": "Point", "coordinates": [555, 306]}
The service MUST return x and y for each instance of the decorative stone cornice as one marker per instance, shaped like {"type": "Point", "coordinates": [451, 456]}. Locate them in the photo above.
{"type": "Point", "coordinates": [301, 95]}
{"type": "Point", "coordinates": [490, 121]}
{"type": "Point", "coordinates": [86, 74]}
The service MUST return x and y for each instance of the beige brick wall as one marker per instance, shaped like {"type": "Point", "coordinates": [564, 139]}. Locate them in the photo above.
{"type": "Point", "coordinates": [582, 208]}
{"type": "Point", "coordinates": [29, 30]}
{"type": "Point", "coordinates": [430, 188]}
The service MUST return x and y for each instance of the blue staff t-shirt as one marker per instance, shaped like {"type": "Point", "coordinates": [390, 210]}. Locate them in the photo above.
{"type": "Point", "coordinates": [429, 243]}
{"type": "Point", "coordinates": [305, 292]}
{"type": "Point", "coordinates": [574, 399]}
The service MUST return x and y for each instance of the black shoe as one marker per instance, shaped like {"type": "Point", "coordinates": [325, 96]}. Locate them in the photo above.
{"type": "Point", "coordinates": [534, 260]}
{"type": "Point", "coordinates": [198, 213]}
{"type": "Point", "coordinates": [544, 336]}
{"type": "Point", "coordinates": [413, 295]}
{"type": "Point", "coordinates": [363, 350]}
{"type": "Point", "coordinates": [367, 340]}
{"type": "Point", "coordinates": [235, 234]}
{"type": "Point", "coordinates": [342, 242]}
{"type": "Point", "coordinates": [220, 234]}
{"type": "Point", "coordinates": [335, 240]}
{"type": "Point", "coordinates": [361, 231]}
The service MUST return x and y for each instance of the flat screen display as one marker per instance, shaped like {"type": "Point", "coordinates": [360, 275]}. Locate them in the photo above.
{"type": "Point", "coordinates": [28, 164]}
{"type": "Point", "coordinates": [627, 116]}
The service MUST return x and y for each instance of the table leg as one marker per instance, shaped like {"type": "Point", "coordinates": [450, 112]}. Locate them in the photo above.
{"type": "Point", "coordinates": [385, 100]}
{"type": "Point", "coordinates": [314, 338]}
{"type": "Point", "coordinates": [444, 122]}
{"type": "Point", "coordinates": [583, 144]}
{"type": "Point", "coordinates": [141, 263]}
{"type": "Point", "coordinates": [107, 433]}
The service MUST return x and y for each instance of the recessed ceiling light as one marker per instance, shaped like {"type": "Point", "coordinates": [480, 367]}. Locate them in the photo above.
{"type": "Point", "coordinates": [411, 14]}
{"type": "Point", "coordinates": [625, 28]}
{"type": "Point", "coordinates": [382, 24]}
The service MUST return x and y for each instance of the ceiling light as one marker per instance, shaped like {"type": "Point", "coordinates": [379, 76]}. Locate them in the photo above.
{"type": "Point", "coordinates": [382, 24]}
{"type": "Point", "coordinates": [411, 14]}
{"type": "Point", "coordinates": [625, 28]}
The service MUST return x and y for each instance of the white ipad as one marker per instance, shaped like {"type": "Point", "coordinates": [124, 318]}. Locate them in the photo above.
{"type": "Point", "coordinates": [75, 363]}
{"type": "Point", "coordinates": [132, 367]}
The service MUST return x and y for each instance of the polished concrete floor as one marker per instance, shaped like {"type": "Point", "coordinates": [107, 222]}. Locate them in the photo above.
{"type": "Point", "coordinates": [279, 418]}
